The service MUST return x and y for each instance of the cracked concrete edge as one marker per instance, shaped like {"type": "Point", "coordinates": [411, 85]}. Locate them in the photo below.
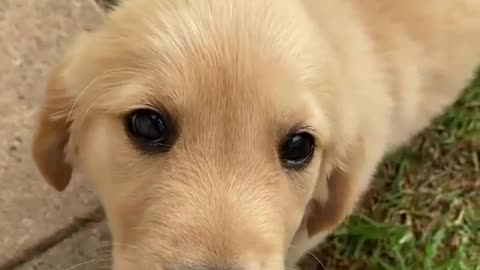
{"type": "Point", "coordinates": [82, 234]}
{"type": "Point", "coordinates": [76, 226]}
{"type": "Point", "coordinates": [30, 210]}
{"type": "Point", "coordinates": [78, 233]}
{"type": "Point", "coordinates": [87, 248]}
{"type": "Point", "coordinates": [34, 255]}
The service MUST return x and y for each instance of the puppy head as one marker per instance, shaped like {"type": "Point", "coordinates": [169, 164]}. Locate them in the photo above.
{"type": "Point", "coordinates": [206, 136]}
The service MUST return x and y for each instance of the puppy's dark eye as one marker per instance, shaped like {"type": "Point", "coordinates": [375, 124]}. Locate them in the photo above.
{"type": "Point", "coordinates": [297, 150]}
{"type": "Point", "coordinates": [149, 129]}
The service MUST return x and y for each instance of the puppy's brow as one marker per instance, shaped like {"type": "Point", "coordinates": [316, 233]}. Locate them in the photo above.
{"type": "Point", "coordinates": [132, 97]}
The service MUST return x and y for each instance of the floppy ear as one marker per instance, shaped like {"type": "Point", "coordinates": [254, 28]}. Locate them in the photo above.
{"type": "Point", "coordinates": [51, 134]}
{"type": "Point", "coordinates": [346, 185]}
{"type": "Point", "coordinates": [325, 216]}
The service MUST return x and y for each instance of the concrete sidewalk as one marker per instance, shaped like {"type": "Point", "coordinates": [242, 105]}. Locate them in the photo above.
{"type": "Point", "coordinates": [39, 227]}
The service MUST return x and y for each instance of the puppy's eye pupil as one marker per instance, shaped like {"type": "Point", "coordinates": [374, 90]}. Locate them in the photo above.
{"type": "Point", "coordinates": [147, 125]}
{"type": "Point", "coordinates": [297, 150]}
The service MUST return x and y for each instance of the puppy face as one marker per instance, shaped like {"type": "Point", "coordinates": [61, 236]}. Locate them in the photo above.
{"type": "Point", "coordinates": [209, 172]}
{"type": "Point", "coordinates": [212, 166]}
{"type": "Point", "coordinates": [204, 135]}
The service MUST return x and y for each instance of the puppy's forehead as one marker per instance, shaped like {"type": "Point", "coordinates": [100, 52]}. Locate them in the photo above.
{"type": "Point", "coordinates": [208, 60]}
{"type": "Point", "coordinates": [236, 93]}
{"type": "Point", "coordinates": [208, 69]}
{"type": "Point", "coordinates": [247, 90]}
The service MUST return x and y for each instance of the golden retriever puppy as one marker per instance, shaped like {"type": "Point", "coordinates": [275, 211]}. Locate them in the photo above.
{"type": "Point", "coordinates": [237, 134]}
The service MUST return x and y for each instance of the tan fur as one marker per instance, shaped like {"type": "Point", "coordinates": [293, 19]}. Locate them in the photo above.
{"type": "Point", "coordinates": [237, 75]}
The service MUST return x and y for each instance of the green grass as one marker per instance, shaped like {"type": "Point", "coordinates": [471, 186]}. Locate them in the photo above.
{"type": "Point", "coordinates": [423, 211]}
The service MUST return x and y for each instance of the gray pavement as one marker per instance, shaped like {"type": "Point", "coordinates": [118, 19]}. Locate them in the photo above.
{"type": "Point", "coordinates": [83, 250]}
{"type": "Point", "coordinates": [34, 217]}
